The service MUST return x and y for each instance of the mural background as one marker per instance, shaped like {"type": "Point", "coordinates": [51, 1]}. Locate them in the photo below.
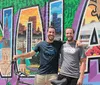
{"type": "Point", "coordinates": [79, 14]}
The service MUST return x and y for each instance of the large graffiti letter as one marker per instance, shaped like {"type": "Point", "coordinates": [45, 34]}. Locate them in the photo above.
{"type": "Point", "coordinates": [29, 22]}
{"type": "Point", "coordinates": [6, 42]}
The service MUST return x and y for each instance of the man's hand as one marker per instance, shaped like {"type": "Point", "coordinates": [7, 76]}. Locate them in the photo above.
{"type": "Point", "coordinates": [80, 81]}
{"type": "Point", "coordinates": [15, 57]}
{"type": "Point", "coordinates": [78, 43]}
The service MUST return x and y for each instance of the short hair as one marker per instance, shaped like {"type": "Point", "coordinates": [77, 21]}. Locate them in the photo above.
{"type": "Point", "coordinates": [71, 28]}
{"type": "Point", "coordinates": [50, 27]}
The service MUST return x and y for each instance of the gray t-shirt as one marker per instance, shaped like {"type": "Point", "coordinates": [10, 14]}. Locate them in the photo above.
{"type": "Point", "coordinates": [71, 55]}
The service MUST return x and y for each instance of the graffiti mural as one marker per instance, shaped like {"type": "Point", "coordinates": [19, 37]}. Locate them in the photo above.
{"type": "Point", "coordinates": [24, 23]}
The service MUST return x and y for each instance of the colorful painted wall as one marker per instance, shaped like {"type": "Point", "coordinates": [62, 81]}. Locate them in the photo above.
{"type": "Point", "coordinates": [24, 23]}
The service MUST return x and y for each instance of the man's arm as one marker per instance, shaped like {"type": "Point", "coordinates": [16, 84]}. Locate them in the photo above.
{"type": "Point", "coordinates": [82, 70]}
{"type": "Point", "coordinates": [26, 55]}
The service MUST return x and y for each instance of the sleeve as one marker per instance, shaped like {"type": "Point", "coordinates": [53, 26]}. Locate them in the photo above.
{"type": "Point", "coordinates": [61, 43]}
{"type": "Point", "coordinates": [82, 53]}
{"type": "Point", "coordinates": [37, 47]}
{"type": "Point", "coordinates": [61, 57]}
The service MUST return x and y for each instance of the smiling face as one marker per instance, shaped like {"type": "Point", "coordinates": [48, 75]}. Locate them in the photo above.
{"type": "Point", "coordinates": [51, 34]}
{"type": "Point", "coordinates": [69, 34]}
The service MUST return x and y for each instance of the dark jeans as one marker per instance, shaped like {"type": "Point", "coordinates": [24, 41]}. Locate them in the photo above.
{"type": "Point", "coordinates": [69, 80]}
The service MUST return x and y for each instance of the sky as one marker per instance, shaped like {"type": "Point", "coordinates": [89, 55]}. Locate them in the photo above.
{"type": "Point", "coordinates": [56, 7]}
{"type": "Point", "coordinates": [26, 13]}
{"type": "Point", "coordinates": [8, 14]}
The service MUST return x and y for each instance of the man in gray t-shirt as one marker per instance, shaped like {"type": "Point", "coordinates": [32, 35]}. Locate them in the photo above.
{"type": "Point", "coordinates": [73, 61]}
{"type": "Point", "coordinates": [71, 56]}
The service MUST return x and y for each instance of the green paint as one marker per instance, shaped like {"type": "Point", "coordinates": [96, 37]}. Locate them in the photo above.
{"type": "Point", "coordinates": [70, 7]}
{"type": "Point", "coordinates": [8, 83]}
{"type": "Point", "coordinates": [1, 35]}
{"type": "Point", "coordinates": [18, 4]}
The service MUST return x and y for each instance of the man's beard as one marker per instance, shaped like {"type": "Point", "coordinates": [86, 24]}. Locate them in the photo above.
{"type": "Point", "coordinates": [70, 39]}
{"type": "Point", "coordinates": [51, 38]}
